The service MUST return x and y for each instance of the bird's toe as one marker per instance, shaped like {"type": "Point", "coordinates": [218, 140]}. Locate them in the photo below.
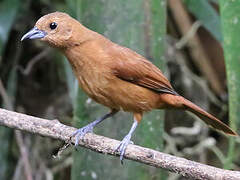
{"type": "Point", "coordinates": [122, 147]}
{"type": "Point", "coordinates": [80, 133]}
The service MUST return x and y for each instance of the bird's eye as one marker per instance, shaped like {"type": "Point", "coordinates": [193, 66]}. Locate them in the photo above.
{"type": "Point", "coordinates": [53, 25]}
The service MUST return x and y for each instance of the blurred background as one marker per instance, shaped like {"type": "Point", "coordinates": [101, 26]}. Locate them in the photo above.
{"type": "Point", "coordinates": [195, 43]}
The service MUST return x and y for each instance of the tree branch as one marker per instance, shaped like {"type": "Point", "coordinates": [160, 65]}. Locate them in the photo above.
{"type": "Point", "coordinates": [56, 130]}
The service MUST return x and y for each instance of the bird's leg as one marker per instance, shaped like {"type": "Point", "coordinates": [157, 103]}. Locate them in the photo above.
{"type": "Point", "coordinates": [80, 133]}
{"type": "Point", "coordinates": [126, 140]}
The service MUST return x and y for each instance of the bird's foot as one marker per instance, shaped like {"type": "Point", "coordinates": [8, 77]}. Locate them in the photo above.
{"type": "Point", "coordinates": [123, 145]}
{"type": "Point", "coordinates": [80, 133]}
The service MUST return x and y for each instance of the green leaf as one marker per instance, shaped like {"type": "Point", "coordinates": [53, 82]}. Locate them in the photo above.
{"type": "Point", "coordinates": [205, 13]}
{"type": "Point", "coordinates": [230, 18]}
{"type": "Point", "coordinates": [71, 80]}
{"type": "Point", "coordinates": [8, 11]}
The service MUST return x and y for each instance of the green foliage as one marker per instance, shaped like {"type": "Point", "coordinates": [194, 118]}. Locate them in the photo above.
{"type": "Point", "coordinates": [8, 10]}
{"type": "Point", "coordinates": [231, 27]}
{"type": "Point", "coordinates": [208, 16]}
{"type": "Point", "coordinates": [71, 81]}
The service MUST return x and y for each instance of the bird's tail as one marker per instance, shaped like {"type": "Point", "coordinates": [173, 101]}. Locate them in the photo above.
{"type": "Point", "coordinates": [208, 118]}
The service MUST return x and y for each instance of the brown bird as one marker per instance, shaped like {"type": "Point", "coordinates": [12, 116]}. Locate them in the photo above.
{"type": "Point", "coordinates": [112, 75]}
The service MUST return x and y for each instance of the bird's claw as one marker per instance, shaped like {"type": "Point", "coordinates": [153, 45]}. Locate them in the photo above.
{"type": "Point", "coordinates": [122, 147]}
{"type": "Point", "coordinates": [80, 133]}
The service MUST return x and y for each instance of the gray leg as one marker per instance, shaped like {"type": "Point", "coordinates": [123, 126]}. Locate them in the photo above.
{"type": "Point", "coordinates": [80, 133]}
{"type": "Point", "coordinates": [126, 140]}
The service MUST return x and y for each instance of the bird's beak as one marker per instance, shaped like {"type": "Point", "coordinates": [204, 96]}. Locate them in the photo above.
{"type": "Point", "coordinates": [34, 33]}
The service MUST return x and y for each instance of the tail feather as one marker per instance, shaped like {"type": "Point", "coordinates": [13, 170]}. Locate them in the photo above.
{"type": "Point", "coordinates": [208, 118]}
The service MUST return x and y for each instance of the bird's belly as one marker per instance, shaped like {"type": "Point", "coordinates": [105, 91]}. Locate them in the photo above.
{"type": "Point", "coordinates": [130, 97]}
{"type": "Point", "coordinates": [96, 87]}
{"type": "Point", "coordinates": [118, 94]}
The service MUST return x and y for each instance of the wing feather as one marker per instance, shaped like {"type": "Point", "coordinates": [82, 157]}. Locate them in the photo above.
{"type": "Point", "coordinates": [132, 67]}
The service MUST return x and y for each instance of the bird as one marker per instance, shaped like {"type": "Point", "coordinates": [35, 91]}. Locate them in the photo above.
{"type": "Point", "coordinates": [114, 76]}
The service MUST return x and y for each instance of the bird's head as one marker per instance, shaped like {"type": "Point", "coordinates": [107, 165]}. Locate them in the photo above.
{"type": "Point", "coordinates": [56, 29]}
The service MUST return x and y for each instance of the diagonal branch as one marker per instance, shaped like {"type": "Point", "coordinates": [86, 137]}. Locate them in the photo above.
{"type": "Point", "coordinates": [56, 130]}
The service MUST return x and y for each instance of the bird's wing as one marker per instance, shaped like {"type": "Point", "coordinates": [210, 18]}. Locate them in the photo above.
{"type": "Point", "coordinates": [130, 66]}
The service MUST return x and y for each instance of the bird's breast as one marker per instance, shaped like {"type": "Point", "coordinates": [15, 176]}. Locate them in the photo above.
{"type": "Point", "coordinates": [97, 82]}
{"type": "Point", "coordinates": [96, 78]}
